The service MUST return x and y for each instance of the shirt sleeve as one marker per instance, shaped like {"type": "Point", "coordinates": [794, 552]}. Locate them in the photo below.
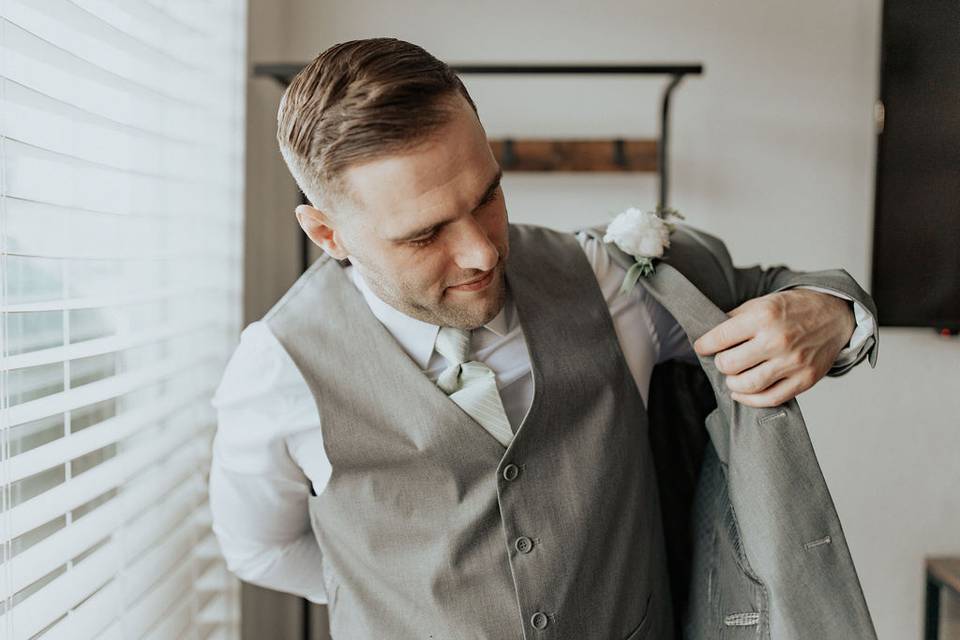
{"type": "Point", "coordinates": [258, 492]}
{"type": "Point", "coordinates": [647, 333]}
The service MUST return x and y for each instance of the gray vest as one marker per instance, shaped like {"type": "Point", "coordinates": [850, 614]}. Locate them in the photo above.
{"type": "Point", "coordinates": [429, 527]}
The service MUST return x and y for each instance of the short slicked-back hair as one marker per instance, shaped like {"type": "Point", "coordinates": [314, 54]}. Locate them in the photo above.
{"type": "Point", "coordinates": [358, 101]}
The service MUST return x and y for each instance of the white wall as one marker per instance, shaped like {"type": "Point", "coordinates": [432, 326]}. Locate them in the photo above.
{"type": "Point", "coordinates": [773, 151]}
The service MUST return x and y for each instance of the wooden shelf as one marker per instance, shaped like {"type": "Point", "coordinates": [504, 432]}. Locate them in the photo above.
{"type": "Point", "coordinates": [531, 154]}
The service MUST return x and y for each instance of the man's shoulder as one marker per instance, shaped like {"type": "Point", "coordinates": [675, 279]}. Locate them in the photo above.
{"type": "Point", "coordinates": [702, 257]}
{"type": "Point", "coordinates": [305, 284]}
{"type": "Point", "coordinates": [540, 250]}
{"type": "Point", "coordinates": [256, 368]}
{"type": "Point", "coordinates": [691, 242]}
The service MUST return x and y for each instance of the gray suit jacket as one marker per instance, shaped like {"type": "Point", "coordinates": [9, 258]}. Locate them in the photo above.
{"type": "Point", "coordinates": [754, 544]}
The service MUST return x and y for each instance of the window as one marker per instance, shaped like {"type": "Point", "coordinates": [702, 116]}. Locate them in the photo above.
{"type": "Point", "coordinates": [121, 177]}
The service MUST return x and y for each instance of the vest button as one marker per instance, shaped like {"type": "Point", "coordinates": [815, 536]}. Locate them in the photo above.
{"type": "Point", "coordinates": [523, 544]}
{"type": "Point", "coordinates": [510, 472]}
{"type": "Point", "coordinates": [539, 620]}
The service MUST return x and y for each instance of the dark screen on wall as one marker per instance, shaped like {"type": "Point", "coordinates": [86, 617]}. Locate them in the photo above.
{"type": "Point", "coordinates": [916, 258]}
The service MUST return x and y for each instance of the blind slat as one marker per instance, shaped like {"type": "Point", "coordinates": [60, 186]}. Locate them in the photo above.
{"type": "Point", "coordinates": [87, 620]}
{"type": "Point", "coordinates": [174, 621]}
{"type": "Point", "coordinates": [121, 151]}
{"type": "Point", "coordinates": [105, 433]}
{"type": "Point", "coordinates": [107, 49]}
{"type": "Point", "coordinates": [40, 122]}
{"type": "Point", "coordinates": [71, 81]}
{"type": "Point", "coordinates": [216, 611]}
{"type": "Point", "coordinates": [102, 478]}
{"type": "Point", "coordinates": [137, 19]}
{"type": "Point", "coordinates": [55, 598]}
{"type": "Point", "coordinates": [103, 389]}
{"type": "Point", "coordinates": [213, 579]}
{"type": "Point", "coordinates": [78, 537]}
{"type": "Point", "coordinates": [95, 302]}
{"type": "Point", "coordinates": [155, 604]}
{"type": "Point", "coordinates": [44, 176]}
{"type": "Point", "coordinates": [99, 346]}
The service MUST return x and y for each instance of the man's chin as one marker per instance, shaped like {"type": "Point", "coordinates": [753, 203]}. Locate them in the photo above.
{"type": "Point", "coordinates": [497, 300]}
{"type": "Point", "coordinates": [477, 313]}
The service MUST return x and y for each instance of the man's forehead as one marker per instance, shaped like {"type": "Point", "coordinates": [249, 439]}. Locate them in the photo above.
{"type": "Point", "coordinates": [395, 179]}
{"type": "Point", "coordinates": [415, 185]}
{"type": "Point", "coordinates": [449, 162]}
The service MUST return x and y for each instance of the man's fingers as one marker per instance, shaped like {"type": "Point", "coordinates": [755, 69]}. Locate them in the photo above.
{"type": "Point", "coordinates": [756, 379]}
{"type": "Point", "coordinates": [727, 334]}
{"type": "Point", "coordinates": [783, 391]}
{"type": "Point", "coordinates": [741, 357]}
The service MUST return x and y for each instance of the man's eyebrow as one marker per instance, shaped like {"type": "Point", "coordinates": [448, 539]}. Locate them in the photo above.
{"type": "Point", "coordinates": [487, 194]}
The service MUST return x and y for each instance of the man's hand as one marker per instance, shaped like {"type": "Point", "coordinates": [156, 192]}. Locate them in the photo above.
{"type": "Point", "coordinates": [777, 346]}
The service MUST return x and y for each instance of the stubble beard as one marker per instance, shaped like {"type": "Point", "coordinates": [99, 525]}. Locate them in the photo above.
{"type": "Point", "coordinates": [445, 312]}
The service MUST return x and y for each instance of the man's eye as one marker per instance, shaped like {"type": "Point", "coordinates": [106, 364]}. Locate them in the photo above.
{"type": "Point", "coordinates": [490, 198]}
{"type": "Point", "coordinates": [422, 242]}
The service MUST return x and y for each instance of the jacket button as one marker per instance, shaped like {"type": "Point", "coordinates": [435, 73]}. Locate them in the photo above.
{"type": "Point", "coordinates": [510, 472]}
{"type": "Point", "coordinates": [539, 620]}
{"type": "Point", "coordinates": [523, 544]}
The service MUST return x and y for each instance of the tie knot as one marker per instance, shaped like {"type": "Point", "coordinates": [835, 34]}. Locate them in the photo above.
{"type": "Point", "coordinates": [453, 344]}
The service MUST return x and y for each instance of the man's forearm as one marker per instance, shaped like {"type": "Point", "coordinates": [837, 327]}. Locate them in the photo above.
{"type": "Point", "coordinates": [264, 532]}
{"type": "Point", "coordinates": [293, 567]}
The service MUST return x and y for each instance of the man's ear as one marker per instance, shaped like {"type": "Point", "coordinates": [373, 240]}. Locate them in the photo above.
{"type": "Point", "coordinates": [318, 227]}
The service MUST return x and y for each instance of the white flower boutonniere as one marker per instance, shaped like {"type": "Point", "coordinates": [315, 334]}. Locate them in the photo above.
{"type": "Point", "coordinates": [643, 234]}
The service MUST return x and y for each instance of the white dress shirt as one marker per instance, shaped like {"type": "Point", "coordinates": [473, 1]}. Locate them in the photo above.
{"type": "Point", "coordinates": [268, 449]}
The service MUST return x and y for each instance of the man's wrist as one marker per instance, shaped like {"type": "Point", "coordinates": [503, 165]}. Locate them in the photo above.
{"type": "Point", "coordinates": [863, 329]}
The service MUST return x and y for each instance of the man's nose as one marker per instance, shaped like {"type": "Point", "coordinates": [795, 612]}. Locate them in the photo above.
{"type": "Point", "coordinates": [473, 248]}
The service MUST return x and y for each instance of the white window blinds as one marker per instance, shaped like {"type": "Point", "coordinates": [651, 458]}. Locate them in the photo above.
{"type": "Point", "coordinates": [121, 169]}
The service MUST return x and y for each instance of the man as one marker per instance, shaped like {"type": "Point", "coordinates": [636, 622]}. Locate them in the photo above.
{"type": "Point", "coordinates": [440, 429]}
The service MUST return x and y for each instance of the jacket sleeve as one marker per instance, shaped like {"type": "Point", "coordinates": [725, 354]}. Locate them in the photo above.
{"type": "Point", "coordinates": [755, 281]}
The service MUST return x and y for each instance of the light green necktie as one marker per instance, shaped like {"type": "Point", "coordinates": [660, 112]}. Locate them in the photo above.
{"type": "Point", "coordinates": [472, 385]}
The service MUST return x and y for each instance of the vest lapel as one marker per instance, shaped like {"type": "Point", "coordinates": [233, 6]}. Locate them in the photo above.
{"type": "Point", "coordinates": [518, 279]}
{"type": "Point", "coordinates": [384, 353]}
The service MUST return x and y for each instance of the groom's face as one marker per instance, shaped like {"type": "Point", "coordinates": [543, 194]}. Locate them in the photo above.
{"type": "Point", "coordinates": [430, 236]}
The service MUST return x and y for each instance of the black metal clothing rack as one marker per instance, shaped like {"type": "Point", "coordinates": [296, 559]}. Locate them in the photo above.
{"type": "Point", "coordinates": [283, 73]}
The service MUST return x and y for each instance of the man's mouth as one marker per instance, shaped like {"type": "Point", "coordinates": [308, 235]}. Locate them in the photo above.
{"type": "Point", "coordinates": [475, 284]}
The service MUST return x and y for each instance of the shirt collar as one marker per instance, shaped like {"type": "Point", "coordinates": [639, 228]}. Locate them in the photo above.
{"type": "Point", "coordinates": [416, 336]}
{"type": "Point", "coordinates": [500, 324]}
